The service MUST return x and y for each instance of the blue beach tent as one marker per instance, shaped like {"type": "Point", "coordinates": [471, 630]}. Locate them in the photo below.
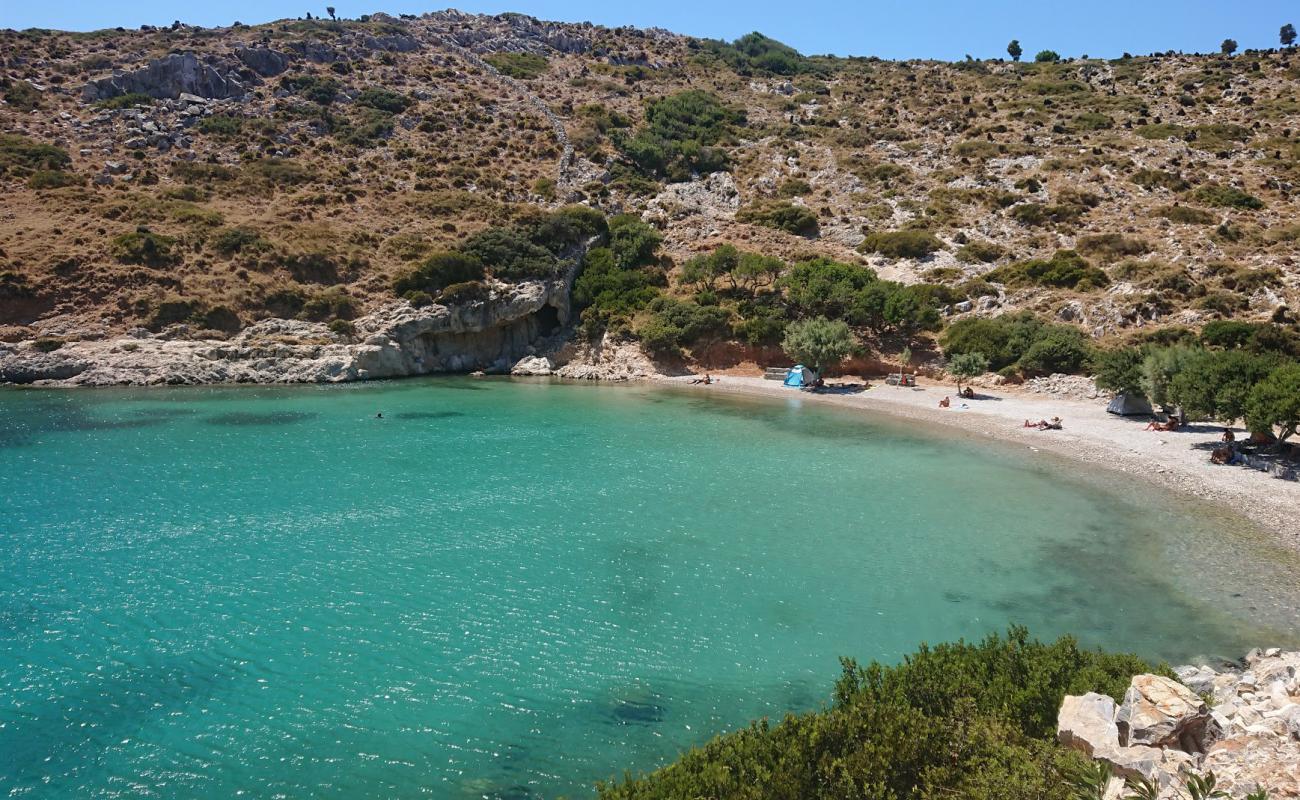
{"type": "Point", "coordinates": [799, 376]}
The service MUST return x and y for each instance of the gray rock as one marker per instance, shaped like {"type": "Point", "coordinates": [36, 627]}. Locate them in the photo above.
{"type": "Point", "coordinates": [263, 60]}
{"type": "Point", "coordinates": [1162, 712]}
{"type": "Point", "coordinates": [170, 77]}
{"type": "Point", "coordinates": [1087, 723]}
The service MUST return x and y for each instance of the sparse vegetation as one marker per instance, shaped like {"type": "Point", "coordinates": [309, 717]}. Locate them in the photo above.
{"type": "Point", "coordinates": [524, 66]}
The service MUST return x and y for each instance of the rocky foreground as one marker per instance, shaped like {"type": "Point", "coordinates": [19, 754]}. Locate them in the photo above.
{"type": "Point", "coordinates": [1242, 724]}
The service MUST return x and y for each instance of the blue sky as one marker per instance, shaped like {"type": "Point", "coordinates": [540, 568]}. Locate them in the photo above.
{"type": "Point", "coordinates": [947, 29]}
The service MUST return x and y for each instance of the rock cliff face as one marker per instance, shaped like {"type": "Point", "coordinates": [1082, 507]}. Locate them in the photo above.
{"type": "Point", "coordinates": [1164, 731]}
{"type": "Point", "coordinates": [514, 323]}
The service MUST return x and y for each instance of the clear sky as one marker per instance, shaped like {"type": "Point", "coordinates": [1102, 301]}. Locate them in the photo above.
{"type": "Point", "coordinates": [946, 29]}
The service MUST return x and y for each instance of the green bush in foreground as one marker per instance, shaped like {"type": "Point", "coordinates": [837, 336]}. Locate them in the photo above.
{"type": "Point", "coordinates": [965, 720]}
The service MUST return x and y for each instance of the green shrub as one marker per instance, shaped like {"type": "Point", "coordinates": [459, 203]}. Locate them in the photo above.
{"type": "Point", "coordinates": [1035, 214]}
{"type": "Point", "coordinates": [1216, 384]}
{"type": "Point", "coordinates": [964, 720]}
{"type": "Point", "coordinates": [331, 303]}
{"type": "Point", "coordinates": [683, 134]}
{"type": "Point", "coordinates": [14, 286]}
{"type": "Point", "coordinates": [223, 126]}
{"type": "Point", "coordinates": [229, 241]}
{"type": "Point", "coordinates": [22, 156]}
{"type": "Point", "coordinates": [1150, 179]}
{"type": "Point", "coordinates": [439, 271]}
{"type": "Point", "coordinates": [144, 247]}
{"type": "Point", "coordinates": [820, 287]}
{"type": "Point", "coordinates": [901, 244]}
{"type": "Point", "coordinates": [313, 266]}
{"type": "Point", "coordinates": [221, 318]}
{"type": "Point", "coordinates": [1007, 340]}
{"type": "Point", "coordinates": [278, 172]}
{"type": "Point", "coordinates": [202, 172]}
{"type": "Point", "coordinates": [383, 100]}
{"type": "Point", "coordinates": [311, 87]}
{"type": "Point", "coordinates": [1216, 194]}
{"type": "Point", "coordinates": [1110, 246]}
{"type": "Point", "coordinates": [1186, 215]}
{"type": "Point", "coordinates": [673, 324]}
{"type": "Point", "coordinates": [1066, 269]}
{"type": "Point", "coordinates": [756, 53]}
{"type": "Point", "coordinates": [980, 252]}
{"type": "Point", "coordinates": [1047, 57]}
{"type": "Point", "coordinates": [342, 327]}
{"type": "Point", "coordinates": [1092, 121]}
{"type": "Point", "coordinates": [524, 66]}
{"type": "Point", "coordinates": [787, 217]}
{"type": "Point", "coordinates": [22, 96]}
{"type": "Point", "coordinates": [608, 292]}
{"type": "Point", "coordinates": [130, 100]}
{"type": "Point", "coordinates": [52, 179]}
{"type": "Point", "coordinates": [284, 302]}
{"type": "Point", "coordinates": [1159, 131]}
{"type": "Point", "coordinates": [819, 342]}
{"type": "Point", "coordinates": [793, 187]}
{"type": "Point", "coordinates": [1218, 136]}
{"type": "Point", "coordinates": [171, 311]}
{"type": "Point", "coordinates": [511, 255]}
{"type": "Point", "coordinates": [464, 293]}
{"type": "Point", "coordinates": [1273, 404]}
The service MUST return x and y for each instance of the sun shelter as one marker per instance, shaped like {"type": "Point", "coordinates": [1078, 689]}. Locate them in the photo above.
{"type": "Point", "coordinates": [799, 376]}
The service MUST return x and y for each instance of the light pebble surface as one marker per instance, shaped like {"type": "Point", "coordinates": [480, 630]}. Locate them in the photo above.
{"type": "Point", "coordinates": [1090, 434]}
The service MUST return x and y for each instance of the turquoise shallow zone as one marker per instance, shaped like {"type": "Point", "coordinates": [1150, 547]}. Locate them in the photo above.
{"type": "Point", "coordinates": [508, 589]}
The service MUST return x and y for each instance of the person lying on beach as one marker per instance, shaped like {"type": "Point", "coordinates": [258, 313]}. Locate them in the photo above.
{"type": "Point", "coordinates": [1171, 425]}
{"type": "Point", "coordinates": [1225, 455]}
{"type": "Point", "coordinates": [706, 380]}
{"type": "Point", "coordinates": [945, 402]}
{"type": "Point", "coordinates": [1044, 425]}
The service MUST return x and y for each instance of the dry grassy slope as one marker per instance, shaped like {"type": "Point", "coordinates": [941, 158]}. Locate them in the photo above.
{"type": "Point", "coordinates": [880, 145]}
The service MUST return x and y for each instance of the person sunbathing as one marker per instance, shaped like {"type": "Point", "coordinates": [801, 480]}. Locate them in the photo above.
{"type": "Point", "coordinates": [1171, 425]}
{"type": "Point", "coordinates": [945, 402]}
{"type": "Point", "coordinates": [706, 380]}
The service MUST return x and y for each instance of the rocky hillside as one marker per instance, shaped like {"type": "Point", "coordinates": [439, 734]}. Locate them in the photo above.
{"type": "Point", "coordinates": [213, 178]}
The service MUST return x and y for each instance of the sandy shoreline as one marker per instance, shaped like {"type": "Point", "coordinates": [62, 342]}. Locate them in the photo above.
{"type": "Point", "coordinates": [1177, 460]}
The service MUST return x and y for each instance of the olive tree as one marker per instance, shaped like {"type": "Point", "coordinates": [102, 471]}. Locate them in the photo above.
{"type": "Point", "coordinates": [819, 341]}
{"type": "Point", "coordinates": [1014, 50]}
{"type": "Point", "coordinates": [967, 365]}
{"type": "Point", "coordinates": [1274, 403]}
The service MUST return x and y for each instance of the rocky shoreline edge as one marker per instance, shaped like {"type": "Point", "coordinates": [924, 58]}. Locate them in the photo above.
{"type": "Point", "coordinates": [522, 329]}
{"type": "Point", "coordinates": [1240, 723]}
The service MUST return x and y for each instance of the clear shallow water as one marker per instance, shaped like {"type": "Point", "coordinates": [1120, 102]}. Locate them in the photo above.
{"type": "Point", "coordinates": [508, 589]}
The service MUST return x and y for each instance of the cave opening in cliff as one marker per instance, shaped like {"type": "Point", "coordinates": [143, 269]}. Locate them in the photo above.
{"type": "Point", "coordinates": [548, 320]}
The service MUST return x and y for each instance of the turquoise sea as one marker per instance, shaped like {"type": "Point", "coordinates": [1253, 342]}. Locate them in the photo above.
{"type": "Point", "coordinates": [508, 589]}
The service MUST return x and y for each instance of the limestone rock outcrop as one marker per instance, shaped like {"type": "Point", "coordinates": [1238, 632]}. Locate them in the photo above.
{"type": "Point", "coordinates": [1249, 736]}
{"type": "Point", "coordinates": [171, 76]}
{"type": "Point", "coordinates": [1160, 712]}
{"type": "Point", "coordinates": [397, 340]}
